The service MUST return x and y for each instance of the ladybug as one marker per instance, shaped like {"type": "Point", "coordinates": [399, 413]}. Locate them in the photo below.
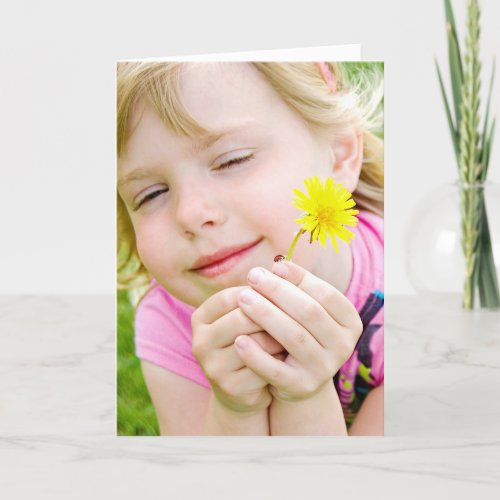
{"type": "Point", "coordinates": [279, 258]}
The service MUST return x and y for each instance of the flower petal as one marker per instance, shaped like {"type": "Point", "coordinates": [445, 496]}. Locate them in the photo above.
{"type": "Point", "coordinates": [328, 207]}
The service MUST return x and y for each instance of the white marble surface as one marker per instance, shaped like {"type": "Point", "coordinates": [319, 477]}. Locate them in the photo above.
{"type": "Point", "coordinates": [57, 417]}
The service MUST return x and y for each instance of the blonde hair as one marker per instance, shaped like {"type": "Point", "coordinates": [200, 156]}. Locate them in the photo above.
{"type": "Point", "coordinates": [357, 103]}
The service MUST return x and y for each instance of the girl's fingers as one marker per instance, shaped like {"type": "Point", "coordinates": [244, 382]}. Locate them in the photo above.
{"type": "Point", "coordinates": [232, 324]}
{"type": "Point", "coordinates": [268, 343]}
{"type": "Point", "coordinates": [227, 359]}
{"type": "Point", "coordinates": [290, 334]}
{"type": "Point", "coordinates": [246, 380]}
{"type": "Point", "coordinates": [295, 303]}
{"type": "Point", "coordinates": [235, 323]}
{"type": "Point", "coordinates": [217, 305]}
{"type": "Point", "coordinates": [334, 302]}
{"type": "Point", "coordinates": [267, 367]}
{"type": "Point", "coordinates": [224, 361]}
{"type": "Point", "coordinates": [281, 356]}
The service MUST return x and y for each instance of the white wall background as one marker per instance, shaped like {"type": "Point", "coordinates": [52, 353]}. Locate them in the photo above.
{"type": "Point", "coordinates": [57, 103]}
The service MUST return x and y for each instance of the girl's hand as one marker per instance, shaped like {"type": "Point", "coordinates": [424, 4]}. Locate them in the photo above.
{"type": "Point", "coordinates": [216, 324]}
{"type": "Point", "coordinates": [317, 325]}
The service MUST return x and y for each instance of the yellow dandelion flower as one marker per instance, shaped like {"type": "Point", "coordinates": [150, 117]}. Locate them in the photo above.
{"type": "Point", "coordinates": [328, 208]}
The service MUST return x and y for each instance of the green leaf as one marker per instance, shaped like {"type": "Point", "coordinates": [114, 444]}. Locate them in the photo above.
{"type": "Point", "coordinates": [489, 144]}
{"type": "Point", "coordinates": [489, 294]}
{"type": "Point", "coordinates": [453, 130]}
{"type": "Point", "coordinates": [450, 18]}
{"type": "Point", "coordinates": [484, 145]}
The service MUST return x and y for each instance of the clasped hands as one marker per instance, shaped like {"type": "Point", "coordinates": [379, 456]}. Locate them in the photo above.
{"type": "Point", "coordinates": [284, 337]}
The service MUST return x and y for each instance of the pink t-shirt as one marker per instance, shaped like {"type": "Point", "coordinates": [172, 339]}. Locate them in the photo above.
{"type": "Point", "coordinates": [163, 323]}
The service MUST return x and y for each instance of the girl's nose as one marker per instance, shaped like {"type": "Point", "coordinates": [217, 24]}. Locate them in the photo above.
{"type": "Point", "coordinates": [198, 208]}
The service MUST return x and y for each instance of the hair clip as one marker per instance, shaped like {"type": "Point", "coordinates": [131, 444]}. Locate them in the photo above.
{"type": "Point", "coordinates": [327, 76]}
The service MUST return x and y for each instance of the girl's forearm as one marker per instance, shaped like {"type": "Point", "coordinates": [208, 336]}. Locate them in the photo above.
{"type": "Point", "coordinates": [222, 421]}
{"type": "Point", "coordinates": [319, 415]}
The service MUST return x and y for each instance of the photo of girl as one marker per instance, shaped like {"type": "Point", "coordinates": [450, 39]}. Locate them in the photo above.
{"type": "Point", "coordinates": [231, 339]}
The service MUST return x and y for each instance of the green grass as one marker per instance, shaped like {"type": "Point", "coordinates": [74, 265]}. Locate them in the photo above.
{"type": "Point", "coordinates": [366, 76]}
{"type": "Point", "coordinates": [135, 413]}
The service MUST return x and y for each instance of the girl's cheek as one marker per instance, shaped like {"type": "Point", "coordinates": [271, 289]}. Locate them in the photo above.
{"type": "Point", "coordinates": [144, 249]}
{"type": "Point", "coordinates": [150, 246]}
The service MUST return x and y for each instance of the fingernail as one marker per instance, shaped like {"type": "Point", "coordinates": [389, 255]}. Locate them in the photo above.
{"type": "Point", "coordinates": [241, 342]}
{"type": "Point", "coordinates": [255, 275]}
{"type": "Point", "coordinates": [248, 297]}
{"type": "Point", "coordinates": [280, 269]}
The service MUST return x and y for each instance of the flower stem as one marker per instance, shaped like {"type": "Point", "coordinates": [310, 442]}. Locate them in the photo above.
{"type": "Point", "coordinates": [294, 242]}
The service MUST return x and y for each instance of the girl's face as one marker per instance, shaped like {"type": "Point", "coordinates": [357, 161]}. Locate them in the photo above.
{"type": "Point", "coordinates": [207, 209]}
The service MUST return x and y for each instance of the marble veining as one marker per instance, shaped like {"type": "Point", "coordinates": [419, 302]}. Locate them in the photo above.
{"type": "Point", "coordinates": [57, 415]}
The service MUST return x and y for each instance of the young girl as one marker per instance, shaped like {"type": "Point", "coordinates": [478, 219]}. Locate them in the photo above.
{"type": "Point", "coordinates": [231, 342]}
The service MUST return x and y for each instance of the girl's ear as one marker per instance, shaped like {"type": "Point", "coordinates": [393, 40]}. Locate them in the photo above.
{"type": "Point", "coordinates": [347, 159]}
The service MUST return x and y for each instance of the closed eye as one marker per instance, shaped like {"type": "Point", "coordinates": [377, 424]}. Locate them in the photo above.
{"type": "Point", "coordinates": [234, 161]}
{"type": "Point", "coordinates": [151, 196]}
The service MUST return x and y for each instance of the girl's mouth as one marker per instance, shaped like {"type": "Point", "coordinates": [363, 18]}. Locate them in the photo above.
{"type": "Point", "coordinates": [223, 260]}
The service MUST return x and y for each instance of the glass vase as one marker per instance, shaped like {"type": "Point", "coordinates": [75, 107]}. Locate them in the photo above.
{"type": "Point", "coordinates": [453, 244]}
